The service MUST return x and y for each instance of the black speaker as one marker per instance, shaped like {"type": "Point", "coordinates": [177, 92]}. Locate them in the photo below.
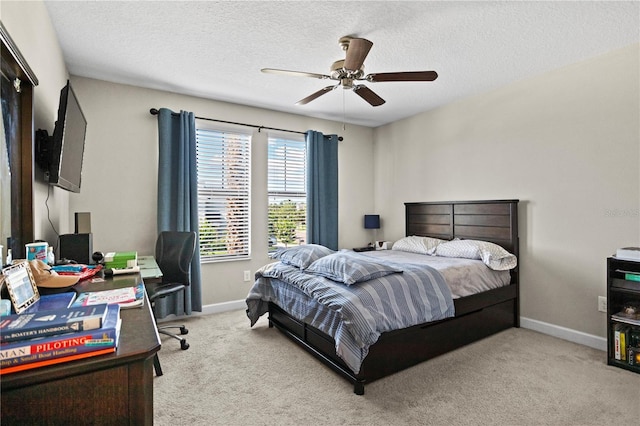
{"type": "Point", "coordinates": [77, 247]}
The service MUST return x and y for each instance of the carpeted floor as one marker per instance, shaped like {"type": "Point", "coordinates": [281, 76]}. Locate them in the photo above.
{"type": "Point", "coordinates": [236, 375]}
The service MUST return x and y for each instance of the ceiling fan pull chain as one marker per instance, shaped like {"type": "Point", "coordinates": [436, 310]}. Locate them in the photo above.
{"type": "Point", "coordinates": [344, 113]}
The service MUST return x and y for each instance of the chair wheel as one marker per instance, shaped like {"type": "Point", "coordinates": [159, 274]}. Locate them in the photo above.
{"type": "Point", "coordinates": [183, 330]}
{"type": "Point", "coordinates": [184, 345]}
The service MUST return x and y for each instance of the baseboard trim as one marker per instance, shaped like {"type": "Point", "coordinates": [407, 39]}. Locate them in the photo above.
{"type": "Point", "coordinates": [564, 333]}
{"type": "Point", "coordinates": [215, 308]}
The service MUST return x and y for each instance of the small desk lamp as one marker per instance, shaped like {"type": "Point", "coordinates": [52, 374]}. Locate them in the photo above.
{"type": "Point", "coordinates": [372, 221]}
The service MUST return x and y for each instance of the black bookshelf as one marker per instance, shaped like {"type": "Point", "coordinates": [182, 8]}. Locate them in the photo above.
{"type": "Point", "coordinates": [623, 297]}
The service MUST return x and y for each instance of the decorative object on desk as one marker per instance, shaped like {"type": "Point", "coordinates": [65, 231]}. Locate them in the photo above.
{"type": "Point", "coordinates": [30, 325]}
{"type": "Point", "coordinates": [21, 286]}
{"type": "Point", "coordinates": [372, 221]}
{"type": "Point", "coordinates": [46, 277]}
{"type": "Point", "coordinates": [51, 258]}
{"type": "Point", "coordinates": [629, 253]}
{"type": "Point", "coordinates": [37, 250]}
{"type": "Point", "coordinates": [126, 297]}
{"type": "Point", "coordinates": [33, 353]}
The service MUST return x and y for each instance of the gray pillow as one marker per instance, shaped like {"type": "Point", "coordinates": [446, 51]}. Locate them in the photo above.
{"type": "Point", "coordinates": [301, 256]}
{"type": "Point", "coordinates": [349, 268]}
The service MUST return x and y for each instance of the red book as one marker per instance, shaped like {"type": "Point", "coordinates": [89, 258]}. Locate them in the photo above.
{"type": "Point", "coordinates": [22, 367]}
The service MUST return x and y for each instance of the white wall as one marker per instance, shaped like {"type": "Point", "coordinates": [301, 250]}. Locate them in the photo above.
{"type": "Point", "coordinates": [566, 143]}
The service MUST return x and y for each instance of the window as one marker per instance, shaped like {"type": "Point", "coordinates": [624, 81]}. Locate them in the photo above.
{"type": "Point", "coordinates": [224, 166]}
{"type": "Point", "coordinates": [287, 186]}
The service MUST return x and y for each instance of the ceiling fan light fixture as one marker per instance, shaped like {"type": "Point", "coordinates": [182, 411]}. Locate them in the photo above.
{"type": "Point", "coordinates": [346, 83]}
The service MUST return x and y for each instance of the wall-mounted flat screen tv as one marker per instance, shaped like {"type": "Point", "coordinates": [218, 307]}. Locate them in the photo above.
{"type": "Point", "coordinates": [66, 146]}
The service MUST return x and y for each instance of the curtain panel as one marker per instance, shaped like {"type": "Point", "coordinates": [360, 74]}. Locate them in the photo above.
{"type": "Point", "coordinates": [322, 189]}
{"type": "Point", "coordinates": [178, 199]}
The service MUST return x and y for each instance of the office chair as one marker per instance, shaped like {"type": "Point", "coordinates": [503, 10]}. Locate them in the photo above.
{"type": "Point", "coordinates": [174, 252]}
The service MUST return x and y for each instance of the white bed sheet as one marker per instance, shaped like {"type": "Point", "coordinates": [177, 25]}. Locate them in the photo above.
{"type": "Point", "coordinates": [456, 272]}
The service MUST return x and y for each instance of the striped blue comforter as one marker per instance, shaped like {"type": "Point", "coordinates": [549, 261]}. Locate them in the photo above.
{"type": "Point", "coordinates": [355, 315]}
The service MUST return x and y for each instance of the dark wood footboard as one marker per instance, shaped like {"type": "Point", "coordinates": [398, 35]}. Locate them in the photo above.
{"type": "Point", "coordinates": [477, 316]}
{"type": "Point", "coordinates": [396, 350]}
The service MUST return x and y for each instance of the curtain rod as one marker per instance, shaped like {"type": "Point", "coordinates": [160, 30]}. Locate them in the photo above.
{"type": "Point", "coordinates": [154, 111]}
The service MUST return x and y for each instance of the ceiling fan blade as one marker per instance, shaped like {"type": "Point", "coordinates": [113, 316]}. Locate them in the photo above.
{"type": "Point", "coordinates": [402, 76]}
{"type": "Point", "coordinates": [356, 53]}
{"type": "Point", "coordinates": [315, 95]}
{"type": "Point", "coordinates": [368, 95]}
{"type": "Point", "coordinates": [295, 73]}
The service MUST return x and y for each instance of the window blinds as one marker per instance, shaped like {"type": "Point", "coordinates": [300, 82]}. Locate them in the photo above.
{"type": "Point", "coordinates": [224, 176]}
{"type": "Point", "coordinates": [287, 189]}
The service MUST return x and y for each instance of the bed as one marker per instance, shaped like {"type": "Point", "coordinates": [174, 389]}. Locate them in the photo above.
{"type": "Point", "coordinates": [472, 318]}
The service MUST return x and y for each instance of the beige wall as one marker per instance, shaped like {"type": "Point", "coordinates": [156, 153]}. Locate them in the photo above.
{"type": "Point", "coordinates": [29, 26]}
{"type": "Point", "coordinates": [119, 180]}
{"type": "Point", "coordinates": [566, 144]}
{"type": "Point", "coordinates": [120, 162]}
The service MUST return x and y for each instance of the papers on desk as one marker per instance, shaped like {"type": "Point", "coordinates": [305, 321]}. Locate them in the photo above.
{"type": "Point", "coordinates": [126, 297]}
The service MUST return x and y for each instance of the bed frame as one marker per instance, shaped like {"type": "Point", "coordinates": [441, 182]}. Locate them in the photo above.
{"type": "Point", "coordinates": [477, 316]}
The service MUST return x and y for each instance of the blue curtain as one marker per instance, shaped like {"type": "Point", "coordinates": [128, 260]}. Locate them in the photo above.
{"type": "Point", "coordinates": [322, 189]}
{"type": "Point", "coordinates": [178, 199]}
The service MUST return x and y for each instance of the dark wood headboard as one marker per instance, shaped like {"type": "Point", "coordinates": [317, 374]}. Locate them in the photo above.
{"type": "Point", "coordinates": [488, 220]}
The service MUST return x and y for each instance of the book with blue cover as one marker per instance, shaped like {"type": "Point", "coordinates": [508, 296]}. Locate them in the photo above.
{"type": "Point", "coordinates": [49, 302]}
{"type": "Point", "coordinates": [33, 353]}
{"type": "Point", "coordinates": [40, 323]}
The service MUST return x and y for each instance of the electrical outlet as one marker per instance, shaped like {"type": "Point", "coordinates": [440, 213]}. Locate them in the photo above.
{"type": "Point", "coordinates": [602, 304]}
{"type": "Point", "coordinates": [247, 276]}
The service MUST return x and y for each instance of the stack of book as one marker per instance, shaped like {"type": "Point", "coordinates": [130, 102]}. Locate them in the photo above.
{"type": "Point", "coordinates": [45, 336]}
{"type": "Point", "coordinates": [626, 335]}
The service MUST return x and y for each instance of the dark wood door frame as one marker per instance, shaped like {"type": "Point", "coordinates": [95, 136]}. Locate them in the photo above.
{"type": "Point", "coordinates": [16, 69]}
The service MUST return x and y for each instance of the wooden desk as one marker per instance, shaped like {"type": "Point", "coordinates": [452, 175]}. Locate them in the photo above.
{"type": "Point", "coordinates": [107, 389]}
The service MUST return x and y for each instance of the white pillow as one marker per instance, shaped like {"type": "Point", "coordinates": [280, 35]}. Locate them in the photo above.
{"type": "Point", "coordinates": [415, 244]}
{"type": "Point", "coordinates": [494, 256]}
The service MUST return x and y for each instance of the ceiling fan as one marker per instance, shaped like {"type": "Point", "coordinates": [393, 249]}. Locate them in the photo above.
{"type": "Point", "coordinates": [351, 69]}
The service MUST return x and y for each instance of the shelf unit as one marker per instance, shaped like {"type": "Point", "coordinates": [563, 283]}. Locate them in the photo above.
{"type": "Point", "coordinates": [621, 293]}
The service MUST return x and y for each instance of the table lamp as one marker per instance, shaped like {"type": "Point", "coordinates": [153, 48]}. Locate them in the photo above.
{"type": "Point", "coordinates": [372, 221]}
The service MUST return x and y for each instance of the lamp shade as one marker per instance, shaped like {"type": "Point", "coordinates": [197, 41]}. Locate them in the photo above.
{"type": "Point", "coordinates": [371, 221]}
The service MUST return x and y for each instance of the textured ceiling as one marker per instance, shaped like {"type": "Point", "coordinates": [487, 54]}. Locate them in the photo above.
{"type": "Point", "coordinates": [216, 49]}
